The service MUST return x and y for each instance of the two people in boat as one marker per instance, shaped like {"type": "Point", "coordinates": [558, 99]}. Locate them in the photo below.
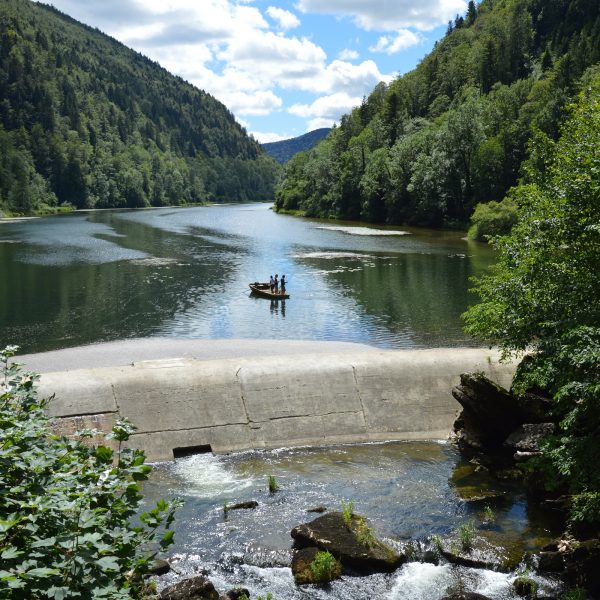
{"type": "Point", "coordinates": [277, 287]}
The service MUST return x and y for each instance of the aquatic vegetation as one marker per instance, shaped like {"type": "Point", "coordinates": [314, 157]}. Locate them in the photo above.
{"type": "Point", "coordinates": [324, 567]}
{"type": "Point", "coordinates": [365, 534]}
{"type": "Point", "coordinates": [347, 512]}
{"type": "Point", "coordinates": [273, 485]}
{"type": "Point", "coordinates": [466, 533]}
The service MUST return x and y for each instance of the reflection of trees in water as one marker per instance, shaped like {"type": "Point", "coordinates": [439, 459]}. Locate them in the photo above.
{"type": "Point", "coordinates": [422, 295]}
{"type": "Point", "coordinates": [69, 305]}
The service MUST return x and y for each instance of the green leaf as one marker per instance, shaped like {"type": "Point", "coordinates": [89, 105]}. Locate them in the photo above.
{"type": "Point", "coordinates": [108, 563]}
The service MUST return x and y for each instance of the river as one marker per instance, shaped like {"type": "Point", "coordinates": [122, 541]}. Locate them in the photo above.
{"type": "Point", "coordinates": [94, 276]}
{"type": "Point", "coordinates": [97, 276]}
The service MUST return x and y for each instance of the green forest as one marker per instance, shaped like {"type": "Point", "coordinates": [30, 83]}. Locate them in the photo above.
{"type": "Point", "coordinates": [454, 132]}
{"type": "Point", "coordinates": [284, 150]}
{"type": "Point", "coordinates": [86, 122]}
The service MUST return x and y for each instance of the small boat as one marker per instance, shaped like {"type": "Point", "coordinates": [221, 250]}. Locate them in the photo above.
{"type": "Point", "coordinates": [264, 290]}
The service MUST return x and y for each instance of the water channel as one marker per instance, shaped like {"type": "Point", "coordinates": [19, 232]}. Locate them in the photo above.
{"type": "Point", "coordinates": [108, 275]}
{"type": "Point", "coordinates": [97, 276]}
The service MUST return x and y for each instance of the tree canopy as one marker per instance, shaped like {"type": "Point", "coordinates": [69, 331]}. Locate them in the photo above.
{"type": "Point", "coordinates": [86, 121]}
{"type": "Point", "coordinates": [542, 295]}
{"type": "Point", "coordinates": [453, 132]}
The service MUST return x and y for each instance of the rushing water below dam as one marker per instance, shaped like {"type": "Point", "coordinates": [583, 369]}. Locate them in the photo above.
{"type": "Point", "coordinates": [408, 491]}
{"type": "Point", "coordinates": [81, 278]}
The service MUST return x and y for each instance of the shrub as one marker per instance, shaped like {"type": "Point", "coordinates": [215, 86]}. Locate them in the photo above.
{"type": "Point", "coordinates": [347, 513]}
{"type": "Point", "coordinates": [323, 567]}
{"type": "Point", "coordinates": [66, 506]}
{"type": "Point", "coordinates": [492, 219]}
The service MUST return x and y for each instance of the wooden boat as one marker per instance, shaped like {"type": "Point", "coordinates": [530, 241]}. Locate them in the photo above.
{"type": "Point", "coordinates": [264, 291]}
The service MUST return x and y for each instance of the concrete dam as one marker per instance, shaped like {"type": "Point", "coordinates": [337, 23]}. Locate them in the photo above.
{"type": "Point", "coordinates": [301, 396]}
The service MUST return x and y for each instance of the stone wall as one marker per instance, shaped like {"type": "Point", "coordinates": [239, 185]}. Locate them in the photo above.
{"type": "Point", "coordinates": [269, 402]}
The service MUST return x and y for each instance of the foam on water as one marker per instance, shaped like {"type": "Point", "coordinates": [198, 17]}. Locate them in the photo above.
{"type": "Point", "coordinates": [206, 477]}
{"type": "Point", "coordinates": [361, 230]}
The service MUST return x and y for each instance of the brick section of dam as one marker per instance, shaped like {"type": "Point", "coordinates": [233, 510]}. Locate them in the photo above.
{"type": "Point", "coordinates": [245, 403]}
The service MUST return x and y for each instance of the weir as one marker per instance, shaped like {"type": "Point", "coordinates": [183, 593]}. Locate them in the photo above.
{"type": "Point", "coordinates": [314, 399]}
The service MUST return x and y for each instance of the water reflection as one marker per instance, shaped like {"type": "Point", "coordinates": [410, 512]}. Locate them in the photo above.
{"type": "Point", "coordinates": [106, 275]}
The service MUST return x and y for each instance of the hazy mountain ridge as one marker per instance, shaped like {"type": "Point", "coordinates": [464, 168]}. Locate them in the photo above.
{"type": "Point", "coordinates": [88, 121]}
{"type": "Point", "coordinates": [284, 150]}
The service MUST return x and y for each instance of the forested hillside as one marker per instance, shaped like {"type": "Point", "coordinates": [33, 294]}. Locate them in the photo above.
{"type": "Point", "coordinates": [86, 121]}
{"type": "Point", "coordinates": [454, 132]}
{"type": "Point", "coordinates": [285, 149]}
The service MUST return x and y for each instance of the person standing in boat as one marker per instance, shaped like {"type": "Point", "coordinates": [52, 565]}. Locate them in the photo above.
{"type": "Point", "coordinates": [272, 284]}
{"type": "Point", "coordinates": [276, 283]}
{"type": "Point", "coordinates": [283, 284]}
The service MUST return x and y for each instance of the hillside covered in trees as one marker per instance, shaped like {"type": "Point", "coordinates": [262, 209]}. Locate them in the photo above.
{"type": "Point", "coordinates": [284, 150]}
{"type": "Point", "coordinates": [86, 121]}
{"type": "Point", "coordinates": [453, 132]}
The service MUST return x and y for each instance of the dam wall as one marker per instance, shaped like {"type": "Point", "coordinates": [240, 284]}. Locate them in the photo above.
{"type": "Point", "coordinates": [183, 405]}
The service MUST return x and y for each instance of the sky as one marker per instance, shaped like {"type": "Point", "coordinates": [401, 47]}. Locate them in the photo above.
{"type": "Point", "coordinates": [283, 67]}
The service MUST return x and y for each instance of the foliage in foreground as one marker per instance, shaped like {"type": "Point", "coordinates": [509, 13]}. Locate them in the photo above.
{"type": "Point", "coordinates": [542, 297]}
{"type": "Point", "coordinates": [66, 507]}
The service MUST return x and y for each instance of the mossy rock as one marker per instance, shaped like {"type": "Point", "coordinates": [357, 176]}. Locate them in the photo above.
{"type": "Point", "coordinates": [525, 587]}
{"type": "Point", "coordinates": [303, 571]}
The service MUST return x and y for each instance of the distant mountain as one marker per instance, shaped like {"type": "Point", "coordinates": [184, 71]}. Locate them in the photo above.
{"type": "Point", "coordinates": [285, 149]}
{"type": "Point", "coordinates": [85, 120]}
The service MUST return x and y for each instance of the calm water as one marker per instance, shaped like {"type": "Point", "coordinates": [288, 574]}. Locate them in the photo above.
{"type": "Point", "coordinates": [409, 491]}
{"type": "Point", "coordinates": [105, 275]}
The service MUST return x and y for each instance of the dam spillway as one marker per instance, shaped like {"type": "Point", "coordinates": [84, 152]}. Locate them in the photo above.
{"type": "Point", "coordinates": [183, 404]}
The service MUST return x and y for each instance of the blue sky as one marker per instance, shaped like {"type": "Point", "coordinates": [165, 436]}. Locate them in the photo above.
{"type": "Point", "coordinates": [283, 67]}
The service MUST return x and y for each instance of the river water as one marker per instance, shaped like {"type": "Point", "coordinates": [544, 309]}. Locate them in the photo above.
{"type": "Point", "coordinates": [107, 275]}
{"type": "Point", "coordinates": [81, 278]}
{"type": "Point", "coordinates": [409, 491]}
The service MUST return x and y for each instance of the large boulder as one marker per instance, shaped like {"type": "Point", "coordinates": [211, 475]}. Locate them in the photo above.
{"type": "Point", "coordinates": [329, 532]}
{"type": "Point", "coordinates": [491, 413]}
{"type": "Point", "coordinates": [193, 588]}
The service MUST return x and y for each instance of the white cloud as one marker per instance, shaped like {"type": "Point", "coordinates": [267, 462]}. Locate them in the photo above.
{"type": "Point", "coordinates": [326, 110]}
{"type": "Point", "coordinates": [348, 54]}
{"type": "Point", "coordinates": [391, 45]}
{"type": "Point", "coordinates": [389, 15]}
{"type": "Point", "coordinates": [266, 137]}
{"type": "Point", "coordinates": [285, 19]}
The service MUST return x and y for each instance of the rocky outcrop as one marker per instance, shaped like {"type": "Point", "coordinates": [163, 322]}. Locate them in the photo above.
{"type": "Point", "coordinates": [329, 532]}
{"type": "Point", "coordinates": [159, 567]}
{"type": "Point", "coordinates": [574, 562]}
{"type": "Point", "coordinates": [243, 505]}
{"type": "Point", "coordinates": [491, 414]}
{"type": "Point", "coordinates": [193, 588]}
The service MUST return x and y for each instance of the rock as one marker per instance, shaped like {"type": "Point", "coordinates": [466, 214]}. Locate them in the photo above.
{"type": "Point", "coordinates": [193, 588]}
{"type": "Point", "coordinates": [527, 437]}
{"type": "Point", "coordinates": [491, 413]}
{"type": "Point", "coordinates": [457, 558]}
{"type": "Point", "coordinates": [525, 586]}
{"type": "Point", "coordinates": [466, 596]}
{"type": "Point", "coordinates": [235, 594]}
{"type": "Point", "coordinates": [317, 509]}
{"type": "Point", "coordinates": [550, 562]}
{"type": "Point", "coordinates": [329, 532]}
{"type": "Point", "coordinates": [159, 567]}
{"type": "Point", "coordinates": [243, 505]}
{"type": "Point", "coordinates": [301, 567]}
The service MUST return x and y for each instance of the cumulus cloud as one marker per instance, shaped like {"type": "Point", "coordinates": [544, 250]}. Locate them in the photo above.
{"type": "Point", "coordinates": [347, 54]}
{"type": "Point", "coordinates": [326, 110]}
{"type": "Point", "coordinates": [265, 137]}
{"type": "Point", "coordinates": [285, 19]}
{"type": "Point", "coordinates": [242, 56]}
{"type": "Point", "coordinates": [391, 45]}
{"type": "Point", "coordinates": [388, 15]}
